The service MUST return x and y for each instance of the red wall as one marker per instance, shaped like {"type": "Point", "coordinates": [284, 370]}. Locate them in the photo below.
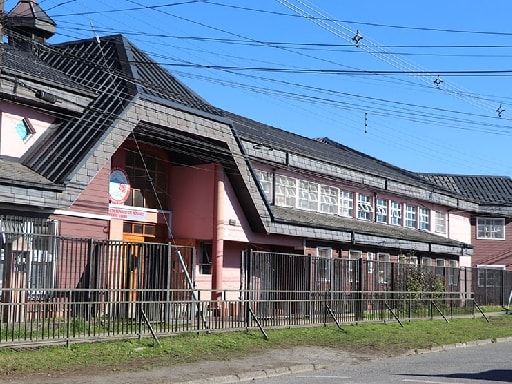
{"type": "Point", "coordinates": [490, 252]}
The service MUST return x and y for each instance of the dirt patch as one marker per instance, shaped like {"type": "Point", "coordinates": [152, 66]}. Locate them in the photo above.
{"type": "Point", "coordinates": [153, 370]}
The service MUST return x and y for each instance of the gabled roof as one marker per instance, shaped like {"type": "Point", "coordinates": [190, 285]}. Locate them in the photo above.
{"type": "Point", "coordinates": [491, 190]}
{"type": "Point", "coordinates": [119, 73]}
{"type": "Point", "coordinates": [27, 65]}
{"type": "Point", "coordinates": [322, 149]}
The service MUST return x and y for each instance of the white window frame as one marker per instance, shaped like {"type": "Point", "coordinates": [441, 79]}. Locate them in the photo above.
{"type": "Point", "coordinates": [265, 180]}
{"type": "Point", "coordinates": [424, 219]}
{"type": "Point", "coordinates": [383, 266]}
{"type": "Point", "coordinates": [329, 199]}
{"type": "Point", "coordinates": [353, 255]}
{"type": "Point", "coordinates": [440, 222]}
{"type": "Point", "coordinates": [323, 265]}
{"type": "Point", "coordinates": [370, 257]}
{"type": "Point", "coordinates": [364, 206]}
{"type": "Point", "coordinates": [346, 204]}
{"type": "Point", "coordinates": [490, 228]}
{"type": "Point", "coordinates": [411, 216]}
{"type": "Point", "coordinates": [381, 210]}
{"type": "Point", "coordinates": [286, 191]}
{"type": "Point", "coordinates": [395, 210]}
{"type": "Point", "coordinates": [308, 195]}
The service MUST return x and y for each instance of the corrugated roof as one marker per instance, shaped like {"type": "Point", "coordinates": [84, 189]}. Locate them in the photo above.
{"type": "Point", "coordinates": [481, 189]}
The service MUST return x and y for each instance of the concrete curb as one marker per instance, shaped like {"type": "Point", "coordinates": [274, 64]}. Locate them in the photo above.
{"type": "Point", "coordinates": [281, 371]}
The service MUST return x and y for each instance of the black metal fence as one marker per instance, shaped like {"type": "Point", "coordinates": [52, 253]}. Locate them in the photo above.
{"type": "Point", "coordinates": [61, 289]}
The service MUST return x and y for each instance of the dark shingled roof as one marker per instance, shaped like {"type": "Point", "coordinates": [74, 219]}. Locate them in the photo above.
{"type": "Point", "coordinates": [12, 172]}
{"type": "Point", "coordinates": [334, 222]}
{"type": "Point", "coordinates": [26, 64]}
{"type": "Point", "coordinates": [480, 189]}
{"type": "Point", "coordinates": [323, 149]}
{"type": "Point", "coordinates": [116, 70]}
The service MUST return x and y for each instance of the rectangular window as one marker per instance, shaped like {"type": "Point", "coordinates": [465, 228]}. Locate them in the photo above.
{"type": "Point", "coordinates": [353, 266]}
{"type": "Point", "coordinates": [346, 204]}
{"type": "Point", "coordinates": [364, 207]}
{"type": "Point", "coordinates": [265, 180]}
{"type": "Point", "coordinates": [453, 272]}
{"type": "Point", "coordinates": [425, 219]}
{"type": "Point", "coordinates": [396, 213]}
{"type": "Point", "coordinates": [490, 275]}
{"type": "Point", "coordinates": [205, 264]}
{"type": "Point", "coordinates": [370, 257]}
{"type": "Point", "coordinates": [381, 211]}
{"type": "Point", "coordinates": [329, 199]}
{"type": "Point", "coordinates": [286, 191]}
{"type": "Point", "coordinates": [488, 228]}
{"type": "Point", "coordinates": [410, 216]}
{"type": "Point", "coordinates": [33, 248]}
{"type": "Point", "coordinates": [426, 261]}
{"type": "Point", "coordinates": [440, 222]}
{"type": "Point", "coordinates": [323, 264]}
{"type": "Point", "coordinates": [413, 260]}
{"type": "Point", "coordinates": [308, 195]}
{"type": "Point", "coordinates": [384, 268]}
{"type": "Point", "coordinates": [148, 180]}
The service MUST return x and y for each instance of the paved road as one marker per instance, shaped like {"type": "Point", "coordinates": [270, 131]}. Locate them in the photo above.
{"type": "Point", "coordinates": [490, 363]}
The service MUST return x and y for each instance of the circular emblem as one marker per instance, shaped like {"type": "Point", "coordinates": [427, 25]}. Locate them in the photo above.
{"type": "Point", "coordinates": [119, 186]}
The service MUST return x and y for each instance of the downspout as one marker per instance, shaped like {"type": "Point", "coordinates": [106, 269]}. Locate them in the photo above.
{"type": "Point", "coordinates": [218, 232]}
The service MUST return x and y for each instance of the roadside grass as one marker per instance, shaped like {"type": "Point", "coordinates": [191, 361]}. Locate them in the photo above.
{"type": "Point", "coordinates": [377, 338]}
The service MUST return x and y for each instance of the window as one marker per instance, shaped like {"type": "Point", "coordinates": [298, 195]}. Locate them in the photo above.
{"type": "Point", "coordinates": [410, 216]}
{"type": "Point", "coordinates": [490, 275]}
{"type": "Point", "coordinates": [364, 207]}
{"type": "Point", "coordinates": [323, 264]}
{"type": "Point", "coordinates": [205, 263]}
{"type": "Point", "coordinates": [413, 260]}
{"type": "Point", "coordinates": [381, 211]}
{"type": "Point", "coordinates": [24, 129]}
{"type": "Point", "coordinates": [440, 222]}
{"type": "Point", "coordinates": [384, 268]}
{"type": "Point", "coordinates": [487, 228]}
{"type": "Point", "coordinates": [396, 213]}
{"type": "Point", "coordinates": [453, 272]}
{"type": "Point", "coordinates": [353, 266]}
{"type": "Point", "coordinates": [265, 179]}
{"type": "Point", "coordinates": [426, 261]}
{"type": "Point", "coordinates": [148, 230]}
{"type": "Point", "coordinates": [286, 191]}
{"type": "Point", "coordinates": [308, 195]}
{"type": "Point", "coordinates": [148, 180]}
{"type": "Point", "coordinates": [347, 204]}
{"type": "Point", "coordinates": [33, 249]}
{"type": "Point", "coordinates": [424, 219]}
{"type": "Point", "coordinates": [370, 256]}
{"type": "Point", "coordinates": [329, 199]}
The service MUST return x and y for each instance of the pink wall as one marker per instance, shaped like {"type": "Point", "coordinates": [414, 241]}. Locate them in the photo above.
{"type": "Point", "coordinates": [192, 201]}
{"type": "Point", "coordinates": [10, 143]}
{"type": "Point", "coordinates": [94, 199]}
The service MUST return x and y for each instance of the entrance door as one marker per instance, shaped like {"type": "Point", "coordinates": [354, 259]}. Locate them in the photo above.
{"type": "Point", "coordinates": [133, 269]}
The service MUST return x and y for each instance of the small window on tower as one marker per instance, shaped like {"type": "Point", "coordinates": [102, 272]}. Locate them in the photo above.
{"type": "Point", "coordinates": [25, 129]}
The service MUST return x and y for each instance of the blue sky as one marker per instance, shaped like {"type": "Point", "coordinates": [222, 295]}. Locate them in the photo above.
{"type": "Point", "coordinates": [294, 64]}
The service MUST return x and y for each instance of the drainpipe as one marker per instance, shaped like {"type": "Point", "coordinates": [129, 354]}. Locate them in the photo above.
{"type": "Point", "coordinates": [218, 233]}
